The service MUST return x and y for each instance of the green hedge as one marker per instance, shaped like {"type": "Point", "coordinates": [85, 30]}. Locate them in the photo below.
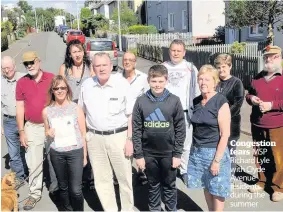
{"type": "Point", "coordinates": [141, 29]}
{"type": "Point", "coordinates": [4, 41]}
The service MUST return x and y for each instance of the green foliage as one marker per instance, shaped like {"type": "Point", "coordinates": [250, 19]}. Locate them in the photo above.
{"type": "Point", "coordinates": [141, 29]}
{"type": "Point", "coordinates": [95, 22]}
{"type": "Point", "coordinates": [24, 6]}
{"type": "Point", "coordinates": [12, 17]}
{"type": "Point", "coordinates": [219, 34]}
{"type": "Point", "coordinates": [237, 47]}
{"type": "Point", "coordinates": [7, 26]}
{"type": "Point", "coordinates": [4, 41]}
{"type": "Point", "coordinates": [127, 16]}
{"type": "Point", "coordinates": [85, 13]}
{"type": "Point", "coordinates": [240, 13]}
{"type": "Point", "coordinates": [134, 51]}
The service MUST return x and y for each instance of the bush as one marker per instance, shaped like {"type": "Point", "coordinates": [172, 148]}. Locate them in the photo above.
{"type": "Point", "coordinates": [238, 47]}
{"type": "Point", "coordinates": [134, 51]}
{"type": "Point", "coordinates": [4, 41]}
{"type": "Point", "coordinates": [141, 29]}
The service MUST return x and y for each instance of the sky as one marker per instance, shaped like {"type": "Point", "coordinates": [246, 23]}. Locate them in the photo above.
{"type": "Point", "coordinates": [67, 5]}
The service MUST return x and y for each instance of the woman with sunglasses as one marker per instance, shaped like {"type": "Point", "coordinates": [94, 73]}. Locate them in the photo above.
{"type": "Point", "coordinates": [65, 128]}
{"type": "Point", "coordinates": [76, 67]}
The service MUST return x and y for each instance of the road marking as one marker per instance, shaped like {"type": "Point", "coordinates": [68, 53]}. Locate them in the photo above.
{"type": "Point", "coordinates": [22, 49]}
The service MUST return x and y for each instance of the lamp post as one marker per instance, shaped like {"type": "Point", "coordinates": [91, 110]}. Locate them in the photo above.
{"type": "Point", "coordinates": [119, 27]}
{"type": "Point", "coordinates": [35, 20]}
{"type": "Point", "coordinates": [78, 21]}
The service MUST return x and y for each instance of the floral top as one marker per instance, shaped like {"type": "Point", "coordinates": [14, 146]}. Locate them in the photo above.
{"type": "Point", "coordinates": [61, 112]}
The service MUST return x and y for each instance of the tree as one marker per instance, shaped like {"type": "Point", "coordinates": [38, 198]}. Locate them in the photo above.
{"type": "Point", "coordinates": [220, 34]}
{"type": "Point", "coordinates": [247, 13]}
{"type": "Point", "coordinates": [95, 22]}
{"type": "Point", "coordinates": [24, 6]}
{"type": "Point", "coordinates": [12, 17]}
{"type": "Point", "coordinates": [127, 16]}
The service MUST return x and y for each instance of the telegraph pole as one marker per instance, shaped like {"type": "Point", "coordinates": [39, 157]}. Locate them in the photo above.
{"type": "Point", "coordinates": [78, 21]}
{"type": "Point", "coordinates": [35, 20]}
{"type": "Point", "coordinates": [119, 26]}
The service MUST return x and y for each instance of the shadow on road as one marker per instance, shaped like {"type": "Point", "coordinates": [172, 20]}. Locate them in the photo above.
{"type": "Point", "coordinates": [7, 160]}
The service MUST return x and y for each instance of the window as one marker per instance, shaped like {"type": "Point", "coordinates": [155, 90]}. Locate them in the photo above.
{"type": "Point", "coordinates": [101, 46]}
{"type": "Point", "coordinates": [74, 33]}
{"type": "Point", "coordinates": [159, 22]}
{"type": "Point", "coordinates": [184, 19]}
{"type": "Point", "coordinates": [255, 30]}
{"type": "Point", "coordinates": [171, 21]}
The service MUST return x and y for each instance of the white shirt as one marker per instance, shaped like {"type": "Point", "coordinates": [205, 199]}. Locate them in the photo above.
{"type": "Point", "coordinates": [139, 84]}
{"type": "Point", "coordinates": [107, 107]}
{"type": "Point", "coordinates": [179, 78]}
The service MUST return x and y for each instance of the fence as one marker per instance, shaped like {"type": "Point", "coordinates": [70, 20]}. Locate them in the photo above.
{"type": "Point", "coordinates": [243, 67]}
{"type": "Point", "coordinates": [164, 39]}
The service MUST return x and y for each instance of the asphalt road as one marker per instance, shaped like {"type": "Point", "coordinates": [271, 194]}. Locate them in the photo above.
{"type": "Point", "coordinates": [51, 50]}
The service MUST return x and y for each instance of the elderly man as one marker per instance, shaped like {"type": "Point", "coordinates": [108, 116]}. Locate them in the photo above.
{"type": "Point", "coordinates": [9, 80]}
{"type": "Point", "coordinates": [266, 97]}
{"type": "Point", "coordinates": [182, 81]}
{"type": "Point", "coordinates": [108, 103]}
{"type": "Point", "coordinates": [31, 92]}
{"type": "Point", "coordinates": [139, 85]}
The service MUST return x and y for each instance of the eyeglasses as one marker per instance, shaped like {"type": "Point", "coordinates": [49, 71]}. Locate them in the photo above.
{"type": "Point", "coordinates": [27, 63]}
{"type": "Point", "coordinates": [270, 57]}
{"type": "Point", "coordinates": [59, 88]}
{"type": "Point", "coordinates": [130, 60]}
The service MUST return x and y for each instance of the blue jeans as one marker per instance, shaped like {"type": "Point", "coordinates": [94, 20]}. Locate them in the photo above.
{"type": "Point", "coordinates": [16, 152]}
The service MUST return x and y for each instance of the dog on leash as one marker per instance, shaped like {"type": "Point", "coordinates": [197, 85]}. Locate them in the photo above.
{"type": "Point", "coordinates": [9, 195]}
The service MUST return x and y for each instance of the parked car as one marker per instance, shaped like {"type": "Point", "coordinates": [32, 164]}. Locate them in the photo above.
{"type": "Point", "coordinates": [95, 45]}
{"type": "Point", "coordinates": [62, 30]}
{"type": "Point", "coordinates": [75, 35]}
{"type": "Point", "coordinates": [65, 35]}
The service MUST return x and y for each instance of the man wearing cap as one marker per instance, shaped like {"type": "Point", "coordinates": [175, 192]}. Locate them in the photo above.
{"type": "Point", "coordinates": [266, 98]}
{"type": "Point", "coordinates": [8, 105]}
{"type": "Point", "coordinates": [31, 94]}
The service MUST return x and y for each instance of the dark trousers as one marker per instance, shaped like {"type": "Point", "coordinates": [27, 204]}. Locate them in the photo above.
{"type": "Point", "coordinates": [161, 176]}
{"type": "Point", "coordinates": [68, 167]}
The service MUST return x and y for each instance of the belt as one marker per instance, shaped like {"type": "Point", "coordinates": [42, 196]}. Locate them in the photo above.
{"type": "Point", "coordinates": [8, 116]}
{"type": "Point", "coordinates": [185, 111]}
{"type": "Point", "coordinates": [109, 132]}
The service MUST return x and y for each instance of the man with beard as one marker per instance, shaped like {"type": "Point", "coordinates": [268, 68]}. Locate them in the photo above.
{"type": "Point", "coordinates": [266, 97]}
{"type": "Point", "coordinates": [31, 94]}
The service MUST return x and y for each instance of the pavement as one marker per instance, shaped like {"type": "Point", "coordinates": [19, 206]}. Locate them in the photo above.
{"type": "Point", "coordinates": [51, 49]}
{"type": "Point", "coordinates": [144, 65]}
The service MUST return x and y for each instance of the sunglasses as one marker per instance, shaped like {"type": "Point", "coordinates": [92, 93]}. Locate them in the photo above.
{"type": "Point", "coordinates": [59, 88]}
{"type": "Point", "coordinates": [27, 63]}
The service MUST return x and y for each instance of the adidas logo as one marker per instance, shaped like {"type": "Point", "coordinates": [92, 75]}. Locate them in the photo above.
{"type": "Point", "coordinates": [156, 120]}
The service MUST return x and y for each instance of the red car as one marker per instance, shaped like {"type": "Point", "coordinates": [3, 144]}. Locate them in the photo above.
{"type": "Point", "coordinates": [75, 35]}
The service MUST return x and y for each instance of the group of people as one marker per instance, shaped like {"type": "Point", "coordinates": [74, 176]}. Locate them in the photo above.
{"type": "Point", "coordinates": [174, 118]}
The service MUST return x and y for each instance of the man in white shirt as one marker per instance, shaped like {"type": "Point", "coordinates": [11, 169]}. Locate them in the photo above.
{"type": "Point", "coordinates": [139, 85]}
{"type": "Point", "coordinates": [182, 81]}
{"type": "Point", "coordinates": [108, 103]}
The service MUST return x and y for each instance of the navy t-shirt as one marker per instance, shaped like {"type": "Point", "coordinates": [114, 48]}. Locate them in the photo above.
{"type": "Point", "coordinates": [206, 131]}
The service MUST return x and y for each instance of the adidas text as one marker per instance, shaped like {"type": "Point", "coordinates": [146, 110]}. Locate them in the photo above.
{"type": "Point", "coordinates": [156, 124]}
